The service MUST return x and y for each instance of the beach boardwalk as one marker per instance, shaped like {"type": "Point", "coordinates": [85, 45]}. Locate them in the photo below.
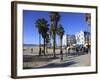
{"type": "Point", "coordinates": [33, 61]}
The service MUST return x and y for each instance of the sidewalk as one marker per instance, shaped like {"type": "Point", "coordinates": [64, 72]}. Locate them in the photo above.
{"type": "Point", "coordinates": [49, 62]}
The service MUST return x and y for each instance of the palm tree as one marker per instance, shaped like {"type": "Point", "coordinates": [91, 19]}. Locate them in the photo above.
{"type": "Point", "coordinates": [38, 26]}
{"type": "Point", "coordinates": [55, 17]}
{"type": "Point", "coordinates": [44, 30]}
{"type": "Point", "coordinates": [60, 33]}
{"type": "Point", "coordinates": [52, 31]}
{"type": "Point", "coordinates": [88, 18]}
{"type": "Point", "coordinates": [88, 21]}
{"type": "Point", "coordinates": [47, 41]}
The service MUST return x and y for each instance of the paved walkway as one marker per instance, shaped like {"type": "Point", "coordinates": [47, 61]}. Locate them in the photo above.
{"type": "Point", "coordinates": [50, 62]}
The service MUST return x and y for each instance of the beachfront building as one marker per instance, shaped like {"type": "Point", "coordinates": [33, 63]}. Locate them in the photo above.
{"type": "Point", "coordinates": [82, 37]}
{"type": "Point", "coordinates": [64, 40]}
{"type": "Point", "coordinates": [72, 39]}
{"type": "Point", "coordinates": [69, 40]}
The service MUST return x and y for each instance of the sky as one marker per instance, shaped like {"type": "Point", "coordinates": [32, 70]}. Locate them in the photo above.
{"type": "Point", "coordinates": [71, 22]}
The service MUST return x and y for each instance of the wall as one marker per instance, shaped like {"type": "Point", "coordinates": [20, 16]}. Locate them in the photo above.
{"type": "Point", "coordinates": [5, 41]}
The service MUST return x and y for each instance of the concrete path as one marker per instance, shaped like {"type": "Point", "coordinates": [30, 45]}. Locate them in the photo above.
{"type": "Point", "coordinates": [50, 62]}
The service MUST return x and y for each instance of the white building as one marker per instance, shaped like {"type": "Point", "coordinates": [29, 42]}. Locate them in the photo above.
{"type": "Point", "coordinates": [82, 37]}
{"type": "Point", "coordinates": [64, 40]}
{"type": "Point", "coordinates": [79, 38]}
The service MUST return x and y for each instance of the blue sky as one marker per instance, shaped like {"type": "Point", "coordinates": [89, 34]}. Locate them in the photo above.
{"type": "Point", "coordinates": [72, 23]}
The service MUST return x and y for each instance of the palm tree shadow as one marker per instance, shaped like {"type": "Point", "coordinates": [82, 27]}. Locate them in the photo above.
{"type": "Point", "coordinates": [53, 65]}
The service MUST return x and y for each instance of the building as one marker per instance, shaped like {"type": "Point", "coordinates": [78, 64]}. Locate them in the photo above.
{"type": "Point", "coordinates": [82, 37]}
{"type": "Point", "coordinates": [64, 40]}
{"type": "Point", "coordinates": [72, 39]}
{"type": "Point", "coordinates": [69, 40]}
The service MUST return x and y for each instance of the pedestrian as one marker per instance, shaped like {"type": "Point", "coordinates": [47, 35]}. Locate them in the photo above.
{"type": "Point", "coordinates": [61, 55]}
{"type": "Point", "coordinates": [31, 50]}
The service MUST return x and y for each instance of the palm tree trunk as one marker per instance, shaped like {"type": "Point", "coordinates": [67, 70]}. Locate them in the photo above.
{"type": "Point", "coordinates": [61, 53]}
{"type": "Point", "coordinates": [54, 44]}
{"type": "Point", "coordinates": [39, 44]}
{"type": "Point", "coordinates": [44, 47]}
{"type": "Point", "coordinates": [87, 38]}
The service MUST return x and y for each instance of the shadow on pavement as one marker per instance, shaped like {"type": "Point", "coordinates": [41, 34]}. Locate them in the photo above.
{"type": "Point", "coordinates": [53, 65]}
